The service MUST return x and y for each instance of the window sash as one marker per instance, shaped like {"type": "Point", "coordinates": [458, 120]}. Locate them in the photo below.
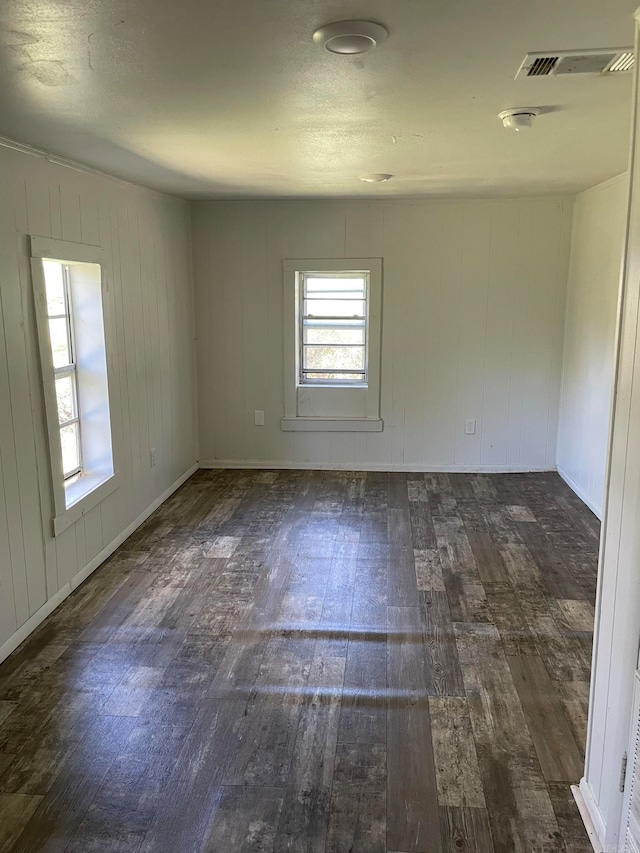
{"type": "Point", "coordinates": [344, 371]}
{"type": "Point", "coordinates": [335, 322]}
{"type": "Point", "coordinates": [356, 319]}
{"type": "Point", "coordinates": [69, 370]}
{"type": "Point", "coordinates": [65, 370]}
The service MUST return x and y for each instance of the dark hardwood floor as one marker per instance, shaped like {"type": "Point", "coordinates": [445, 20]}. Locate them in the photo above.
{"type": "Point", "coordinates": [314, 661]}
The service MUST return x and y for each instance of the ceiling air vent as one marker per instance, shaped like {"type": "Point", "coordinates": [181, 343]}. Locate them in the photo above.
{"type": "Point", "coordinates": [623, 63]}
{"type": "Point", "coordinates": [613, 60]}
{"type": "Point", "coordinates": [542, 66]}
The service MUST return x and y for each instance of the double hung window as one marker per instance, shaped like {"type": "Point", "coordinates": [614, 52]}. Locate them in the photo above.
{"type": "Point", "coordinates": [332, 339]}
{"type": "Point", "coordinates": [61, 337]}
{"type": "Point", "coordinates": [333, 336]}
{"type": "Point", "coordinates": [72, 317]}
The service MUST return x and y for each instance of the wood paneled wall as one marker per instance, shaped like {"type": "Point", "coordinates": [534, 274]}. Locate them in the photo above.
{"type": "Point", "coordinates": [473, 313]}
{"type": "Point", "coordinates": [147, 239]}
{"type": "Point", "coordinates": [590, 337]}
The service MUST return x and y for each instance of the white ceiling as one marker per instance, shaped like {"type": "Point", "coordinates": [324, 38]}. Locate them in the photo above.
{"type": "Point", "coordinates": [231, 98]}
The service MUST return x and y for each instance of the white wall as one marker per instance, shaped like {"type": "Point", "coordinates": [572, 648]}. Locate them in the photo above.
{"type": "Point", "coordinates": [473, 314]}
{"type": "Point", "coordinates": [589, 346]}
{"type": "Point", "coordinates": [147, 239]}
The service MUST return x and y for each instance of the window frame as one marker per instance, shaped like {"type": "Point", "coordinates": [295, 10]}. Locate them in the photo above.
{"type": "Point", "coordinates": [72, 496]}
{"type": "Point", "coordinates": [331, 406]}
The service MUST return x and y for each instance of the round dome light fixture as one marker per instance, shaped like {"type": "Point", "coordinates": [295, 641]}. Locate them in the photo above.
{"type": "Point", "coordinates": [378, 178]}
{"type": "Point", "coordinates": [350, 37]}
{"type": "Point", "coordinates": [520, 118]}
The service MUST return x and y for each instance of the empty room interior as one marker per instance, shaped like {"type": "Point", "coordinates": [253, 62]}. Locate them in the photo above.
{"type": "Point", "coordinates": [319, 418]}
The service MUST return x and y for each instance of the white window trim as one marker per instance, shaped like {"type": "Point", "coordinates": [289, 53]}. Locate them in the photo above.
{"type": "Point", "coordinates": [72, 500]}
{"type": "Point", "coordinates": [293, 420]}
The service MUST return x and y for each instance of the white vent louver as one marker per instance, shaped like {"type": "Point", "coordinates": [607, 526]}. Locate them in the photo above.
{"type": "Point", "coordinates": [614, 60]}
{"type": "Point", "coordinates": [631, 806]}
{"type": "Point", "coordinates": [623, 63]}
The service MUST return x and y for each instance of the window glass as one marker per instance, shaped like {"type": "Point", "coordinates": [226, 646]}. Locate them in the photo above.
{"type": "Point", "coordinates": [346, 287]}
{"type": "Point", "coordinates": [54, 282]}
{"type": "Point", "coordinates": [70, 441]}
{"type": "Point", "coordinates": [333, 357]}
{"type": "Point", "coordinates": [335, 377]}
{"type": "Point", "coordinates": [59, 336]}
{"type": "Point", "coordinates": [334, 307]}
{"type": "Point", "coordinates": [333, 322]}
{"type": "Point", "coordinates": [315, 333]}
{"type": "Point", "coordinates": [66, 398]}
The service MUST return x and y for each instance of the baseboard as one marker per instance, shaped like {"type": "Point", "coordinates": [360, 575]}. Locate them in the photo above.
{"type": "Point", "coordinates": [283, 465]}
{"type": "Point", "coordinates": [49, 606]}
{"type": "Point", "coordinates": [32, 622]}
{"type": "Point", "coordinates": [83, 574]}
{"type": "Point", "coordinates": [595, 508]}
{"type": "Point", "coordinates": [590, 814]}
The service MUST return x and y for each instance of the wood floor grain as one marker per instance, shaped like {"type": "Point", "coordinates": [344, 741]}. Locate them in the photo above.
{"type": "Point", "coordinates": [318, 662]}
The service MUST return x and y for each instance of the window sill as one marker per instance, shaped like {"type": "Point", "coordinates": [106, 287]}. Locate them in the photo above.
{"type": "Point", "coordinates": [332, 424]}
{"type": "Point", "coordinates": [82, 496]}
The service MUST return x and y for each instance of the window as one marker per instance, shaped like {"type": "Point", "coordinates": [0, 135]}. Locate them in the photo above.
{"type": "Point", "coordinates": [334, 328]}
{"type": "Point", "coordinates": [68, 290]}
{"type": "Point", "coordinates": [59, 315]}
{"type": "Point", "coordinates": [332, 344]}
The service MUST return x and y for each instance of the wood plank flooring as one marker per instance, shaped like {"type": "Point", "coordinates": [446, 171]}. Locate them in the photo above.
{"type": "Point", "coordinates": [314, 661]}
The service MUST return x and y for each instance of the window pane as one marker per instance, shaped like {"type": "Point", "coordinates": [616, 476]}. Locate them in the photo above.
{"type": "Point", "coordinates": [66, 398]}
{"type": "Point", "coordinates": [333, 335]}
{"type": "Point", "coordinates": [59, 342]}
{"type": "Point", "coordinates": [55, 287]}
{"type": "Point", "coordinates": [334, 358]}
{"type": "Point", "coordinates": [335, 307]}
{"type": "Point", "coordinates": [335, 377]}
{"type": "Point", "coordinates": [354, 287]}
{"type": "Point", "coordinates": [70, 448]}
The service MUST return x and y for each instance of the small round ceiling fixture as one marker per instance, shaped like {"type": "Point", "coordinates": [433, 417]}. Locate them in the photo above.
{"type": "Point", "coordinates": [520, 118]}
{"type": "Point", "coordinates": [350, 37]}
{"type": "Point", "coordinates": [378, 178]}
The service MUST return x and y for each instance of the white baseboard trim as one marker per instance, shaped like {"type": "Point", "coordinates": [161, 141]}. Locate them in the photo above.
{"type": "Point", "coordinates": [49, 606]}
{"type": "Point", "coordinates": [595, 508]}
{"type": "Point", "coordinates": [284, 465]}
{"type": "Point", "coordinates": [32, 622]}
{"type": "Point", "coordinates": [590, 814]}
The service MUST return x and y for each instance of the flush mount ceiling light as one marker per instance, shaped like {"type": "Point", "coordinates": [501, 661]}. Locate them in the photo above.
{"type": "Point", "coordinates": [375, 179]}
{"type": "Point", "coordinates": [350, 37]}
{"type": "Point", "coordinates": [520, 118]}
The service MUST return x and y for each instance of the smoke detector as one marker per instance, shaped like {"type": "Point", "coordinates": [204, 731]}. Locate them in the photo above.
{"type": "Point", "coordinates": [350, 37]}
{"type": "Point", "coordinates": [599, 61]}
{"type": "Point", "coordinates": [520, 118]}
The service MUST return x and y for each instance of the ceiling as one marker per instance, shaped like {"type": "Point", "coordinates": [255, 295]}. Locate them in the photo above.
{"type": "Point", "coordinates": [231, 98]}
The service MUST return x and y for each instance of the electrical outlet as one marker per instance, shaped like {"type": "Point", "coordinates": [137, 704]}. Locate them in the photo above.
{"type": "Point", "coordinates": [470, 426]}
{"type": "Point", "coordinates": [259, 417]}
{"type": "Point", "coordinates": [152, 456]}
